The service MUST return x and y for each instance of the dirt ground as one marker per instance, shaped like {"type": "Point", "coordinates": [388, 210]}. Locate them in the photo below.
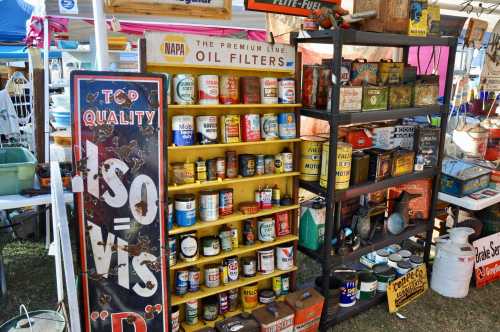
{"type": "Point", "coordinates": [31, 282]}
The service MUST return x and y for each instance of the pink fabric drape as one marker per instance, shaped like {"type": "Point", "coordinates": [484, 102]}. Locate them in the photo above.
{"type": "Point", "coordinates": [34, 37]}
{"type": "Point", "coordinates": [427, 62]}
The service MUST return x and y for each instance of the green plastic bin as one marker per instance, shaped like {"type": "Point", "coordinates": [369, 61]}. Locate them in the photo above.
{"type": "Point", "coordinates": [17, 170]}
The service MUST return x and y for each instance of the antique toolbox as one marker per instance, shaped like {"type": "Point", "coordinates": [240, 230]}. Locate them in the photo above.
{"type": "Point", "coordinates": [359, 167]}
{"type": "Point", "coordinates": [459, 178]}
{"type": "Point", "coordinates": [375, 24]}
{"type": "Point", "coordinates": [243, 322]}
{"type": "Point", "coordinates": [402, 162]}
{"type": "Point", "coordinates": [380, 164]}
{"type": "Point", "coordinates": [390, 72]}
{"type": "Point", "coordinates": [426, 94]}
{"type": "Point", "coordinates": [426, 146]}
{"type": "Point", "coordinates": [418, 18]}
{"type": "Point", "coordinates": [351, 98]}
{"type": "Point", "coordinates": [359, 138]}
{"type": "Point", "coordinates": [275, 317]}
{"type": "Point", "coordinates": [400, 96]}
{"type": "Point", "coordinates": [419, 206]}
{"type": "Point", "coordinates": [375, 98]}
{"type": "Point", "coordinates": [307, 305]}
{"type": "Point", "coordinates": [396, 16]}
{"type": "Point", "coordinates": [434, 20]}
{"type": "Point", "coordinates": [363, 72]}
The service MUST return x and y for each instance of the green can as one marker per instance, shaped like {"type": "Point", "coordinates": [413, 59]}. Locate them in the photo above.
{"type": "Point", "coordinates": [367, 285]}
{"type": "Point", "coordinates": [375, 98]}
{"type": "Point", "coordinates": [384, 274]}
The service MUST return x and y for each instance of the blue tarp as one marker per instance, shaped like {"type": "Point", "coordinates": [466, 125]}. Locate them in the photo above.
{"type": "Point", "coordinates": [13, 17]}
{"type": "Point", "coordinates": [19, 53]}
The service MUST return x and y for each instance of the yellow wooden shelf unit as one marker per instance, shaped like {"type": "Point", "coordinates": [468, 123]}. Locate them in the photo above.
{"type": "Point", "coordinates": [237, 216]}
{"type": "Point", "coordinates": [231, 106]}
{"type": "Point", "coordinates": [241, 250]}
{"type": "Point", "coordinates": [232, 145]}
{"type": "Point", "coordinates": [206, 291]}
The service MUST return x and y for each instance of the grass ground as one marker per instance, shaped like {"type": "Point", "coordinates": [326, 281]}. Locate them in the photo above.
{"type": "Point", "coordinates": [31, 282]}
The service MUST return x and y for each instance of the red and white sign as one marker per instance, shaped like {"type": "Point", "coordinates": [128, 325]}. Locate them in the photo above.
{"type": "Point", "coordinates": [487, 266]}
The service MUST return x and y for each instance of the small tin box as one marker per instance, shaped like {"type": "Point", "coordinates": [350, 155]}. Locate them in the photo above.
{"type": "Point", "coordinates": [359, 167]}
{"type": "Point", "coordinates": [402, 162]}
{"type": "Point", "coordinates": [350, 98]}
{"type": "Point", "coordinates": [380, 164]}
{"type": "Point", "coordinates": [459, 178]}
{"type": "Point", "coordinates": [426, 94]}
{"type": "Point", "coordinates": [426, 146]}
{"type": "Point", "coordinates": [375, 98]}
{"type": "Point", "coordinates": [363, 72]}
{"type": "Point", "coordinates": [400, 96]}
{"type": "Point", "coordinates": [390, 72]}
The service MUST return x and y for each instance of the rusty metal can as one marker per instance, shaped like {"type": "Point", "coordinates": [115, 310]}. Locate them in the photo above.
{"type": "Point", "coordinates": [250, 127]}
{"type": "Point", "coordinates": [212, 169]}
{"type": "Point", "coordinates": [402, 162]}
{"type": "Point", "coordinates": [229, 90]}
{"type": "Point", "coordinates": [269, 164]}
{"type": "Point", "coordinates": [249, 232]}
{"type": "Point", "coordinates": [324, 84]}
{"type": "Point", "coordinates": [286, 91]}
{"type": "Point", "coordinates": [249, 267]}
{"type": "Point", "coordinates": [194, 277]}
{"type": "Point", "coordinates": [250, 89]}
{"type": "Point", "coordinates": [220, 167]}
{"type": "Point", "coordinates": [310, 83]}
{"type": "Point", "coordinates": [231, 164]}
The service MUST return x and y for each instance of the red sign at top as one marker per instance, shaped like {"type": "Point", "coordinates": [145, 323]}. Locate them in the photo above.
{"type": "Point", "coordinates": [290, 7]}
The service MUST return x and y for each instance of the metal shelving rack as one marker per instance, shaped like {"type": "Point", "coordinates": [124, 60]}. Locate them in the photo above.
{"type": "Point", "coordinates": [332, 314]}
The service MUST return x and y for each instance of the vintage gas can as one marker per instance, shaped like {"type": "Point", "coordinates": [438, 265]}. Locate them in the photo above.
{"type": "Point", "coordinates": [275, 317]}
{"type": "Point", "coordinates": [380, 164]}
{"type": "Point", "coordinates": [344, 154]}
{"type": "Point", "coordinates": [363, 72]}
{"type": "Point", "coordinates": [390, 72]}
{"type": "Point", "coordinates": [350, 98]}
{"type": "Point", "coordinates": [360, 167]}
{"type": "Point", "coordinates": [310, 161]}
{"type": "Point", "coordinates": [312, 223]}
{"type": "Point", "coordinates": [375, 98]}
{"type": "Point", "coordinates": [402, 162]}
{"type": "Point", "coordinates": [400, 96]}
{"type": "Point", "coordinates": [426, 94]}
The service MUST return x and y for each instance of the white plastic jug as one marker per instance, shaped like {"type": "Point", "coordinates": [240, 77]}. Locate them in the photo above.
{"type": "Point", "coordinates": [453, 264]}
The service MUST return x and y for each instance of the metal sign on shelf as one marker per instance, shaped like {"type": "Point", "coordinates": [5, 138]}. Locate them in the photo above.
{"type": "Point", "coordinates": [407, 288]}
{"type": "Point", "coordinates": [118, 145]}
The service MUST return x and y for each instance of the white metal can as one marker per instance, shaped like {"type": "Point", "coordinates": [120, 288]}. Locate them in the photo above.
{"type": "Point", "coordinates": [208, 89]}
{"type": "Point", "coordinates": [265, 261]}
{"type": "Point", "coordinates": [269, 126]}
{"type": "Point", "coordinates": [269, 90]}
{"type": "Point", "coordinates": [287, 160]}
{"type": "Point", "coordinates": [206, 129]}
{"type": "Point", "coordinates": [266, 230]}
{"type": "Point", "coordinates": [183, 89]}
{"type": "Point", "coordinates": [286, 91]}
{"type": "Point", "coordinates": [284, 257]}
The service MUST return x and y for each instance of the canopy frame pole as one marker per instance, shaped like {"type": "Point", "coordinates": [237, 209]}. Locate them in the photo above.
{"type": "Point", "coordinates": [46, 95]}
{"type": "Point", "coordinates": [101, 35]}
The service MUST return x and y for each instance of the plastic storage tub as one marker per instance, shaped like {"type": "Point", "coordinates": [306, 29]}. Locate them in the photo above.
{"type": "Point", "coordinates": [17, 170]}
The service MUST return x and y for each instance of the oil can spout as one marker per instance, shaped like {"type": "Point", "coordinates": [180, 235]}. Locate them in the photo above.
{"type": "Point", "coordinates": [460, 234]}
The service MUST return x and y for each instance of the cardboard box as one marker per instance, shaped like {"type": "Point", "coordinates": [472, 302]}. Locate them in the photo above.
{"type": "Point", "coordinates": [420, 206]}
{"type": "Point", "coordinates": [275, 317]}
{"type": "Point", "coordinates": [307, 305]}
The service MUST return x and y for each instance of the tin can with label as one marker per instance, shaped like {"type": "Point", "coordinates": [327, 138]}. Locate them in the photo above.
{"type": "Point", "coordinates": [345, 71]}
{"type": "Point", "coordinates": [225, 202]}
{"type": "Point", "coordinates": [310, 161]}
{"type": "Point", "coordinates": [287, 158]}
{"type": "Point", "coordinates": [172, 250]}
{"type": "Point", "coordinates": [285, 284]}
{"type": "Point", "coordinates": [400, 96]}
{"type": "Point", "coordinates": [359, 167]}
{"type": "Point", "coordinates": [249, 267]}
{"type": "Point", "coordinates": [223, 303]}
{"type": "Point", "coordinates": [233, 298]}
{"type": "Point", "coordinates": [344, 156]}
{"type": "Point", "coordinates": [225, 238]}
{"type": "Point", "coordinates": [250, 90]}
{"type": "Point", "coordinates": [277, 285]}
{"type": "Point", "coordinates": [170, 219]}
{"type": "Point", "coordinates": [183, 89]}
{"type": "Point", "coordinates": [310, 82]}
{"type": "Point", "coordinates": [276, 196]}
{"type": "Point", "coordinates": [188, 244]}
{"type": "Point", "coordinates": [269, 126]}
{"type": "Point", "coordinates": [260, 165]}
{"type": "Point", "coordinates": [206, 129]}
{"type": "Point", "coordinates": [402, 162]}
{"type": "Point", "coordinates": [269, 164]}
{"type": "Point", "coordinates": [194, 278]}
{"type": "Point", "coordinates": [234, 237]}
{"type": "Point", "coordinates": [375, 98]}
{"type": "Point", "coordinates": [247, 164]}
{"type": "Point", "coordinates": [210, 246]}
{"type": "Point", "coordinates": [249, 232]}
{"type": "Point", "coordinates": [174, 317]}
{"type": "Point", "coordinates": [185, 209]}
{"type": "Point", "coordinates": [181, 282]}
{"type": "Point", "coordinates": [250, 127]}
{"type": "Point", "coordinates": [178, 173]}
{"type": "Point", "coordinates": [266, 230]}
{"type": "Point", "coordinates": [363, 72]}
{"type": "Point", "coordinates": [286, 91]}
{"type": "Point", "coordinates": [282, 223]}
{"type": "Point", "coordinates": [265, 261]}
{"type": "Point", "coordinates": [266, 198]}
{"type": "Point", "coordinates": [210, 308]}
{"type": "Point", "coordinates": [212, 276]}
{"type": "Point", "coordinates": [220, 165]}
{"type": "Point", "coordinates": [231, 164]}
{"type": "Point", "coordinates": [249, 296]}
{"type": "Point", "coordinates": [266, 296]}
{"type": "Point", "coordinates": [229, 89]}
{"type": "Point", "coordinates": [390, 72]}
{"type": "Point", "coordinates": [380, 164]}
{"type": "Point", "coordinates": [324, 84]}
{"type": "Point", "coordinates": [209, 205]}
{"type": "Point", "coordinates": [278, 164]}
{"type": "Point", "coordinates": [192, 312]}
{"type": "Point", "coordinates": [211, 169]}
{"type": "Point", "coordinates": [426, 94]}
{"type": "Point", "coordinates": [350, 99]}
{"type": "Point", "coordinates": [233, 268]}
{"type": "Point", "coordinates": [208, 89]}
{"type": "Point", "coordinates": [284, 257]}
{"type": "Point", "coordinates": [182, 130]}
{"type": "Point", "coordinates": [223, 272]}
{"type": "Point", "coordinates": [286, 125]}
{"type": "Point", "coordinates": [348, 289]}
{"type": "Point", "coordinates": [230, 128]}
{"type": "Point", "coordinates": [201, 170]}
{"type": "Point", "coordinates": [269, 90]}
{"type": "Point", "coordinates": [367, 285]}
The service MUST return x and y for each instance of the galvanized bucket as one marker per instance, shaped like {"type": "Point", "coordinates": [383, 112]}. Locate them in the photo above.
{"type": "Point", "coordinates": [35, 321]}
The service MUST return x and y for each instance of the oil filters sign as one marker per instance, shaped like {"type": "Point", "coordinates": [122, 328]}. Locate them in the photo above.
{"type": "Point", "coordinates": [199, 51]}
{"type": "Point", "coordinates": [118, 139]}
{"type": "Point", "coordinates": [407, 288]}
{"type": "Point", "coordinates": [487, 265]}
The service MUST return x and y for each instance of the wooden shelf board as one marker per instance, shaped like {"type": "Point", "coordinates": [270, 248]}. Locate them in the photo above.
{"type": "Point", "coordinates": [205, 291]}
{"type": "Point", "coordinates": [173, 107]}
{"type": "Point", "coordinates": [241, 250]}
{"type": "Point", "coordinates": [232, 145]}
{"type": "Point", "coordinates": [226, 182]}
{"type": "Point", "coordinates": [237, 216]}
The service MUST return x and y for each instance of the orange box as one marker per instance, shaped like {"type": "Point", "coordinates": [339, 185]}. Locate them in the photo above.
{"type": "Point", "coordinates": [307, 305]}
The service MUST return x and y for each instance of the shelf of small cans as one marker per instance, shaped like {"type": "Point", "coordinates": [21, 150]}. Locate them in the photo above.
{"type": "Point", "coordinates": [233, 190]}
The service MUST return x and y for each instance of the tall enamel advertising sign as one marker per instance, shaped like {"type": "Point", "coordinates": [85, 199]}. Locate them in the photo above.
{"type": "Point", "coordinates": [118, 150]}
